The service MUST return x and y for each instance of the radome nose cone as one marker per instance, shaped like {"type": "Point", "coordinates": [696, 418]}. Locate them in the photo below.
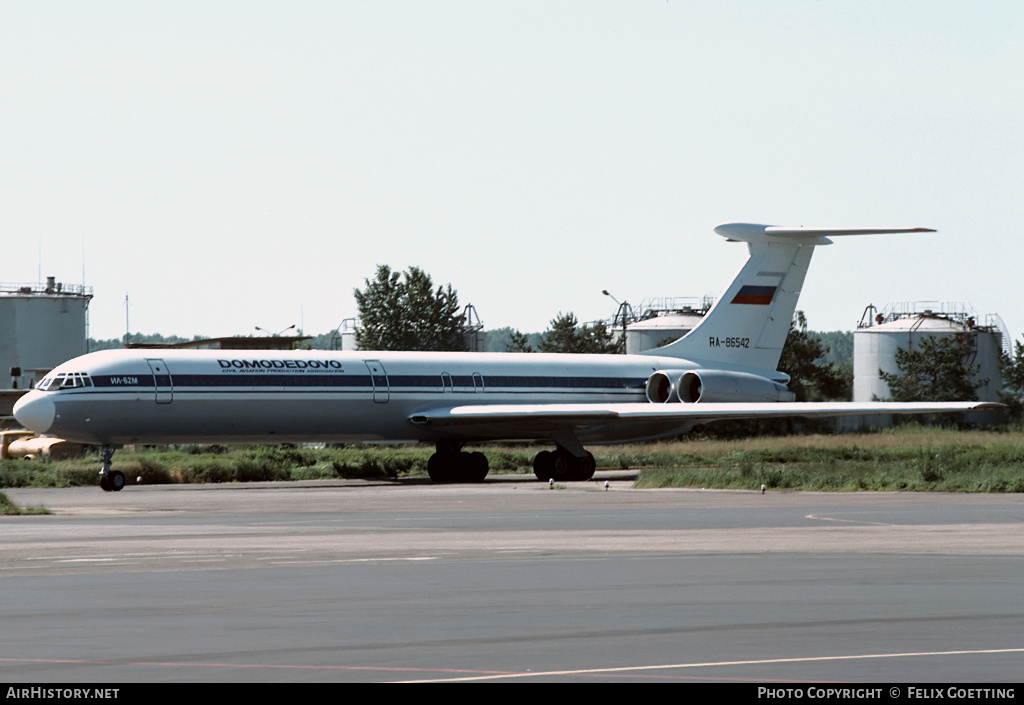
{"type": "Point", "coordinates": [35, 412]}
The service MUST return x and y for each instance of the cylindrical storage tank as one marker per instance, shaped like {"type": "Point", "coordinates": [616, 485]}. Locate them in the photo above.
{"type": "Point", "coordinates": [649, 333]}
{"type": "Point", "coordinates": [40, 327]}
{"type": "Point", "coordinates": [874, 350]}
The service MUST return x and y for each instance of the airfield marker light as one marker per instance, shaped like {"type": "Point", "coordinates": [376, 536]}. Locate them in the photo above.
{"type": "Point", "coordinates": [606, 484]}
{"type": "Point", "coordinates": [762, 489]}
{"type": "Point", "coordinates": [139, 479]}
{"type": "Point", "coordinates": [551, 483]}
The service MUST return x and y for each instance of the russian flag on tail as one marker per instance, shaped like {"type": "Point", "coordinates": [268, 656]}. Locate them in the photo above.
{"type": "Point", "coordinates": [756, 295]}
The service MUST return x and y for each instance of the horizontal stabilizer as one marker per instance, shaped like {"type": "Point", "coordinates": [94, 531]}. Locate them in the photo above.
{"type": "Point", "coordinates": [800, 235]}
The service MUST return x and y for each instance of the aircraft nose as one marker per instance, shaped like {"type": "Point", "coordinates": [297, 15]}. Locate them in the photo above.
{"type": "Point", "coordinates": [35, 412]}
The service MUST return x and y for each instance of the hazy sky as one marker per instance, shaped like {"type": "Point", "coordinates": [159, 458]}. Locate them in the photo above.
{"type": "Point", "coordinates": [237, 164]}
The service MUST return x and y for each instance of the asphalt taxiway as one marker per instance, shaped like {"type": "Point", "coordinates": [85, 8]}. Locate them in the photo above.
{"type": "Point", "coordinates": [509, 580]}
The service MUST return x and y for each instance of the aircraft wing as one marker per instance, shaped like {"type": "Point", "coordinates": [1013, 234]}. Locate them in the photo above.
{"type": "Point", "coordinates": [538, 421]}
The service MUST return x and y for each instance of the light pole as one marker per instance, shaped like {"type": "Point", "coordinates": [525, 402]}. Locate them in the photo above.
{"type": "Point", "coordinates": [274, 335]}
{"type": "Point", "coordinates": [624, 311]}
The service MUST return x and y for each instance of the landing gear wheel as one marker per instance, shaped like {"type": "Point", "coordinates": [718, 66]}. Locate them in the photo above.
{"type": "Point", "coordinates": [543, 465]}
{"type": "Point", "coordinates": [116, 480]}
{"type": "Point", "coordinates": [456, 466]}
{"type": "Point", "coordinates": [474, 467]}
{"type": "Point", "coordinates": [586, 467]}
{"type": "Point", "coordinates": [562, 466]}
{"type": "Point", "coordinates": [439, 467]}
{"type": "Point", "coordinates": [105, 483]}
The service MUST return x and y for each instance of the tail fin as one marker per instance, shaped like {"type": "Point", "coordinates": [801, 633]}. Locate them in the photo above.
{"type": "Point", "coordinates": [747, 326]}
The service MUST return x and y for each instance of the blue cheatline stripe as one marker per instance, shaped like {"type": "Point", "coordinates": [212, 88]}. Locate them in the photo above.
{"type": "Point", "coordinates": [354, 382]}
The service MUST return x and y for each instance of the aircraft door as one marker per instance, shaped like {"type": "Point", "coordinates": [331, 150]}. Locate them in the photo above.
{"type": "Point", "coordinates": [162, 383]}
{"type": "Point", "coordinates": [379, 380]}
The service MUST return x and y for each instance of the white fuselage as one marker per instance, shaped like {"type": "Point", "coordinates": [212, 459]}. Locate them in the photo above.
{"type": "Point", "coordinates": [226, 396]}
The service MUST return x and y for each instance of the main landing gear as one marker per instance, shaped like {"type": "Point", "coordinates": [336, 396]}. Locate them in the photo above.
{"type": "Point", "coordinates": [110, 480]}
{"type": "Point", "coordinates": [562, 465]}
{"type": "Point", "coordinates": [451, 464]}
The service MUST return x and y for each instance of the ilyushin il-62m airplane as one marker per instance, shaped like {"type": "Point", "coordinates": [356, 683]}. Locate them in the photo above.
{"type": "Point", "coordinates": [725, 368]}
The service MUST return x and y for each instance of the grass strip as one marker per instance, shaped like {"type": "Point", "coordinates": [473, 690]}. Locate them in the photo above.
{"type": "Point", "coordinates": [909, 458]}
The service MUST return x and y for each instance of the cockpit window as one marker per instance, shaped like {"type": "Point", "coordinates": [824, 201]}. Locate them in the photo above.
{"type": "Point", "coordinates": [44, 383]}
{"type": "Point", "coordinates": [65, 380]}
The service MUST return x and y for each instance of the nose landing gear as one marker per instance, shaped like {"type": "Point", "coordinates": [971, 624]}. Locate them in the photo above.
{"type": "Point", "coordinates": [110, 480]}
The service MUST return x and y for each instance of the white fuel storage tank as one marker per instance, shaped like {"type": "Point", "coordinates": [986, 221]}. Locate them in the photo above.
{"type": "Point", "coordinates": [41, 326]}
{"type": "Point", "coordinates": [903, 326]}
{"type": "Point", "coordinates": [660, 330]}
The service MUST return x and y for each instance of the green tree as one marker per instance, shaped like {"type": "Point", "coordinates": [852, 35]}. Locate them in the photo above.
{"type": "Point", "coordinates": [1012, 372]}
{"type": "Point", "coordinates": [404, 312]}
{"type": "Point", "coordinates": [839, 345]}
{"type": "Point", "coordinates": [518, 342]}
{"type": "Point", "coordinates": [801, 359]}
{"type": "Point", "coordinates": [508, 339]}
{"type": "Point", "coordinates": [560, 337]}
{"type": "Point", "coordinates": [938, 369]}
{"type": "Point", "coordinates": [599, 338]}
{"type": "Point", "coordinates": [566, 335]}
